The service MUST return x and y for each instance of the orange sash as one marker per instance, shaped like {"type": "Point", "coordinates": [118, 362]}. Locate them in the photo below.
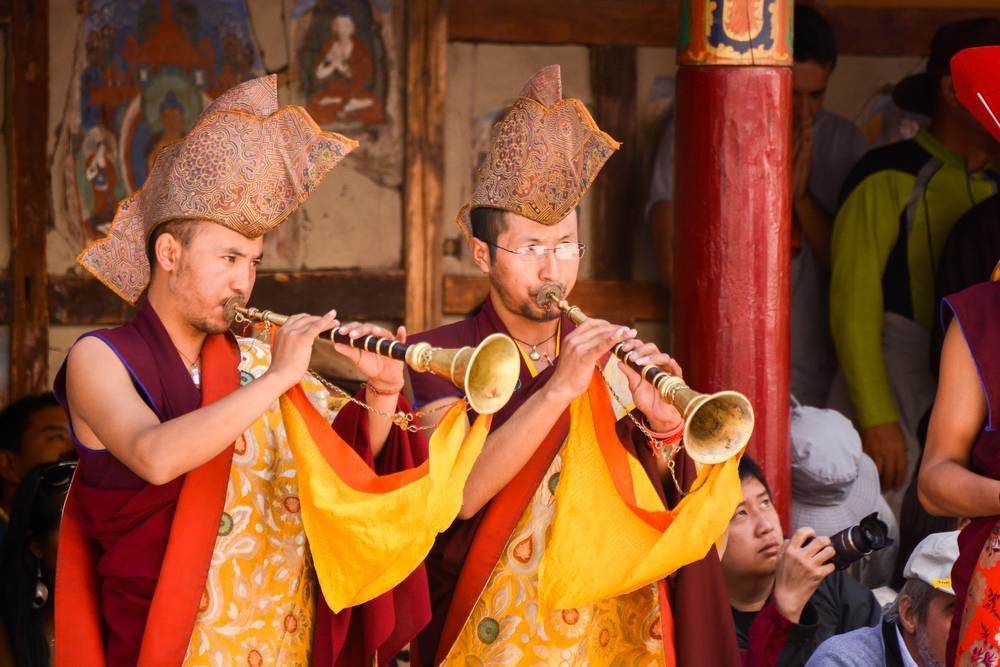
{"type": "Point", "coordinates": [79, 630]}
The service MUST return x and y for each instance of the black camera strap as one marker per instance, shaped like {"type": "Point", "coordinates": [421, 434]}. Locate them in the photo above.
{"type": "Point", "coordinates": [893, 654]}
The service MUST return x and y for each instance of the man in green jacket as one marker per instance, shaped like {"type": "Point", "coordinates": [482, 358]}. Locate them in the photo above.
{"type": "Point", "coordinates": [897, 208]}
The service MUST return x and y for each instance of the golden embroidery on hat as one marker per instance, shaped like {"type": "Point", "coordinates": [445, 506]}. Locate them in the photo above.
{"type": "Point", "coordinates": [246, 165]}
{"type": "Point", "coordinates": [544, 154]}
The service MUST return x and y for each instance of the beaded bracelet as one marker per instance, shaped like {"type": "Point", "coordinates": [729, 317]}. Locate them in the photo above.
{"type": "Point", "coordinates": [380, 392]}
{"type": "Point", "coordinates": [666, 437]}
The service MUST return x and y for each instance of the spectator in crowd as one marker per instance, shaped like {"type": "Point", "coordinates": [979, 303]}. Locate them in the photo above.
{"type": "Point", "coordinates": [28, 564]}
{"type": "Point", "coordinates": [898, 206]}
{"type": "Point", "coordinates": [835, 485]}
{"type": "Point", "coordinates": [970, 255]}
{"type": "Point", "coordinates": [825, 148]}
{"type": "Point", "coordinates": [33, 430]}
{"type": "Point", "coordinates": [915, 628]}
{"type": "Point", "coordinates": [785, 595]}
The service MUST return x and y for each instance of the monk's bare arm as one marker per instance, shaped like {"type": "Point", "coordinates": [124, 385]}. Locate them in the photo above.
{"type": "Point", "coordinates": [492, 470]}
{"type": "Point", "coordinates": [508, 449]}
{"type": "Point", "coordinates": [108, 412]}
{"type": "Point", "coordinates": [946, 486]}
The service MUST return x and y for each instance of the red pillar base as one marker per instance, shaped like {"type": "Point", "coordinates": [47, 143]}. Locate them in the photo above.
{"type": "Point", "coordinates": [731, 253]}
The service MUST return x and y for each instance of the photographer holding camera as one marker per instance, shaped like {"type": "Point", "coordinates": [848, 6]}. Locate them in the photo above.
{"type": "Point", "coordinates": [786, 595]}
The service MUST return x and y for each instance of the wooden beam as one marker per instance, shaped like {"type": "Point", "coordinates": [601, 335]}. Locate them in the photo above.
{"type": "Point", "coordinates": [612, 300]}
{"type": "Point", "coordinates": [27, 106]}
{"type": "Point", "coordinates": [617, 208]}
{"type": "Point", "coordinates": [357, 295]}
{"type": "Point", "coordinates": [423, 182]}
{"type": "Point", "coordinates": [633, 22]}
{"type": "Point", "coordinates": [861, 29]}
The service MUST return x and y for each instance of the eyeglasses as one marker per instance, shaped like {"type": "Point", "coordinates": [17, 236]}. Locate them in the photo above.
{"type": "Point", "coordinates": [562, 251]}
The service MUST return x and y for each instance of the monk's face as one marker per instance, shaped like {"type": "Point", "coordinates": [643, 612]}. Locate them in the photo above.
{"type": "Point", "coordinates": [516, 277]}
{"type": "Point", "coordinates": [214, 265]}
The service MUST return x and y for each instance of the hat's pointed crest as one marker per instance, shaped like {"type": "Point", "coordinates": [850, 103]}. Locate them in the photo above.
{"type": "Point", "coordinates": [545, 87]}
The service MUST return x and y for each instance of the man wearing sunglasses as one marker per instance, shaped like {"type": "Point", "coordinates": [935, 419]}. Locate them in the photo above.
{"type": "Point", "coordinates": [500, 587]}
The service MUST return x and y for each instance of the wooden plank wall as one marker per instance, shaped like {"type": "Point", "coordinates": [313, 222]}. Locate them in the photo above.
{"type": "Point", "coordinates": [423, 190]}
{"type": "Point", "coordinates": [618, 190]}
{"type": "Point", "coordinates": [28, 85]}
{"type": "Point", "coordinates": [619, 301]}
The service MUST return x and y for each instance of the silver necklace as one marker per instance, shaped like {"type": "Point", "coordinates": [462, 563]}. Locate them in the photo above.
{"type": "Point", "coordinates": [534, 354]}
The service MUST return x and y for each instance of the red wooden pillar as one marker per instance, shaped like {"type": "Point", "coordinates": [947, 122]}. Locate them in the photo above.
{"type": "Point", "coordinates": [733, 213]}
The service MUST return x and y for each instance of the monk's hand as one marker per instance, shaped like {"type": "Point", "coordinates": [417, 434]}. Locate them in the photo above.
{"type": "Point", "coordinates": [580, 352]}
{"type": "Point", "coordinates": [292, 346]}
{"type": "Point", "coordinates": [385, 374]}
{"type": "Point", "coordinates": [886, 445]}
{"type": "Point", "coordinates": [662, 416]}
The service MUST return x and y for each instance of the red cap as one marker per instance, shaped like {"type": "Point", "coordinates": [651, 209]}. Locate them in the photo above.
{"type": "Point", "coordinates": [975, 75]}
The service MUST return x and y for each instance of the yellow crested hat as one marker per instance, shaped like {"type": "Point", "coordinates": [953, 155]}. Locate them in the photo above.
{"type": "Point", "coordinates": [544, 154]}
{"type": "Point", "coordinates": [245, 164]}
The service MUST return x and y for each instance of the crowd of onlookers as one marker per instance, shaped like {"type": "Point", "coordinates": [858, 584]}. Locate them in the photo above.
{"type": "Point", "coordinates": [880, 234]}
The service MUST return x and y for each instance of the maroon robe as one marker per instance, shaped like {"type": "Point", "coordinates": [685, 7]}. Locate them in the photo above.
{"type": "Point", "coordinates": [128, 521]}
{"type": "Point", "coordinates": [698, 596]}
{"type": "Point", "coordinates": [977, 311]}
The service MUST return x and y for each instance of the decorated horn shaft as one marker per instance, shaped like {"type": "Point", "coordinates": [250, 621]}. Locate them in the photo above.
{"type": "Point", "coordinates": [486, 373]}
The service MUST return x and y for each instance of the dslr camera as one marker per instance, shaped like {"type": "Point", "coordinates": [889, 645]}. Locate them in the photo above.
{"type": "Point", "coordinates": [857, 541]}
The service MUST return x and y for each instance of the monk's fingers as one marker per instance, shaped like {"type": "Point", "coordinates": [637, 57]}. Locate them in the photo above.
{"type": "Point", "coordinates": [359, 330]}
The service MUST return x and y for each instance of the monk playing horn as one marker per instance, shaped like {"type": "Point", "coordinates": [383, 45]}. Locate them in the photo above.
{"type": "Point", "coordinates": [184, 540]}
{"type": "Point", "coordinates": [566, 537]}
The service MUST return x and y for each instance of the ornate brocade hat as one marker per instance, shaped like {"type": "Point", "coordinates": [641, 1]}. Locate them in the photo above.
{"type": "Point", "coordinates": [246, 165]}
{"type": "Point", "coordinates": [544, 154]}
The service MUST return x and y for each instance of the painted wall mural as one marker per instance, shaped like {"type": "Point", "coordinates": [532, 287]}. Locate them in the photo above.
{"type": "Point", "coordinates": [144, 71]}
{"type": "Point", "coordinates": [344, 69]}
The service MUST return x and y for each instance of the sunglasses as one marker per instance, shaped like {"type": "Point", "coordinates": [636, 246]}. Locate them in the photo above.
{"type": "Point", "coordinates": [57, 475]}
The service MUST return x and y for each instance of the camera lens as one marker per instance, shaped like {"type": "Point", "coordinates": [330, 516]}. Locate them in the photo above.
{"type": "Point", "coordinates": [856, 542]}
